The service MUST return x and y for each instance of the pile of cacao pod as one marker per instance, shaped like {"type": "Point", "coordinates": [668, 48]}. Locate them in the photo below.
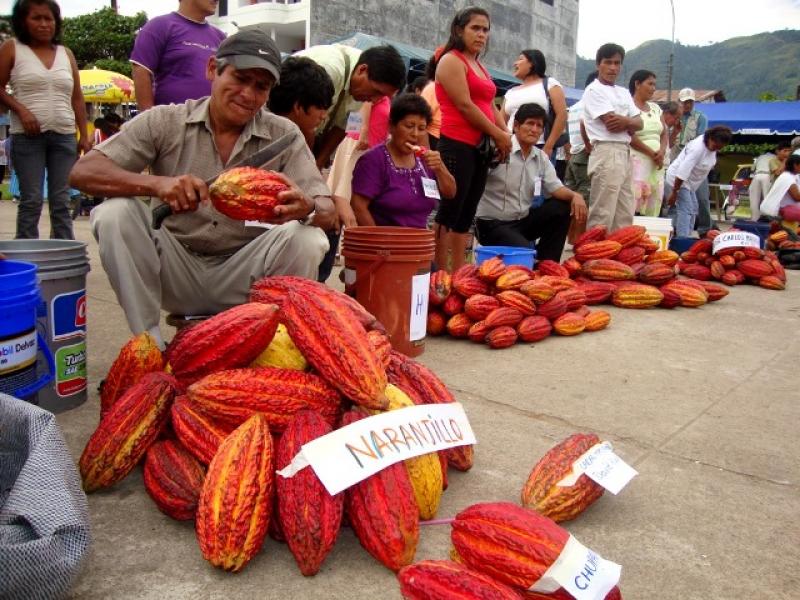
{"type": "Point", "coordinates": [234, 398]}
{"type": "Point", "coordinates": [499, 305]}
{"type": "Point", "coordinates": [781, 240]}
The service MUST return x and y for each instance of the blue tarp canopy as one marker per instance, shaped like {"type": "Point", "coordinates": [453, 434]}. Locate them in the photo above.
{"type": "Point", "coordinates": [755, 118]}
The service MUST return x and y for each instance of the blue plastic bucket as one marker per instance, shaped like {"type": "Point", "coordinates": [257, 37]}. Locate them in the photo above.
{"type": "Point", "coordinates": [510, 255]}
{"type": "Point", "coordinates": [681, 244]}
{"type": "Point", "coordinates": [20, 343]}
{"type": "Point", "coordinates": [758, 228]}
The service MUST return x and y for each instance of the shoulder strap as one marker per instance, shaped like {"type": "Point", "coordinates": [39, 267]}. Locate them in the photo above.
{"type": "Point", "coordinates": [342, 94]}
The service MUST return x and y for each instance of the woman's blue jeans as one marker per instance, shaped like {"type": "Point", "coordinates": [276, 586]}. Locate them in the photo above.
{"type": "Point", "coordinates": [684, 213]}
{"type": "Point", "coordinates": [31, 155]}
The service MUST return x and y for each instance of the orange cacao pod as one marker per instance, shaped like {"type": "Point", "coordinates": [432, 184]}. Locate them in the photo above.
{"type": "Point", "coordinates": [448, 580]}
{"type": "Point", "coordinates": [489, 270]}
{"type": "Point", "coordinates": [553, 308]}
{"type": "Point", "coordinates": [518, 300]}
{"type": "Point", "coordinates": [537, 290]}
{"type": "Point", "coordinates": [503, 315]}
{"type": "Point", "coordinates": [594, 250]}
{"type": "Point", "coordinates": [541, 491]}
{"type": "Point", "coordinates": [771, 282]}
{"type": "Point", "coordinates": [247, 193]}
{"type": "Point", "coordinates": [127, 430]}
{"type": "Point", "coordinates": [441, 285]}
{"type": "Point", "coordinates": [453, 304]}
{"type": "Point", "coordinates": [714, 290]}
{"type": "Point", "coordinates": [466, 270]}
{"type": "Point", "coordinates": [753, 253]}
{"type": "Point", "coordinates": [671, 299]}
{"type": "Point", "coordinates": [573, 266]}
{"type": "Point", "coordinates": [236, 500]}
{"type": "Point", "coordinates": [231, 397]}
{"type": "Point", "coordinates": [597, 292]}
{"type": "Point", "coordinates": [140, 355]}
{"type": "Point", "coordinates": [649, 244]}
{"type": "Point", "coordinates": [336, 345]}
{"type": "Point", "coordinates": [627, 236]}
{"type": "Point", "coordinates": [173, 478]}
{"type": "Point", "coordinates": [573, 297]}
{"type": "Point", "coordinates": [593, 234]}
{"type": "Point", "coordinates": [668, 257]}
{"type": "Point", "coordinates": [699, 272]}
{"type": "Point", "coordinates": [309, 516]}
{"type": "Point", "coordinates": [691, 257]}
{"type": "Point", "coordinates": [755, 268]}
{"type": "Point", "coordinates": [630, 255]}
{"type": "Point", "coordinates": [717, 269]}
{"type": "Point", "coordinates": [733, 277]}
{"type": "Point", "coordinates": [231, 339]}
{"type": "Point", "coordinates": [691, 296]}
{"type": "Point", "coordinates": [470, 286]}
{"type": "Point", "coordinates": [200, 434]}
{"type": "Point", "coordinates": [778, 270]}
{"type": "Point", "coordinates": [657, 273]}
{"type": "Point", "coordinates": [479, 306]}
{"type": "Point", "coordinates": [637, 296]}
{"type": "Point", "coordinates": [534, 329]}
{"type": "Point", "coordinates": [501, 337]}
{"type": "Point", "coordinates": [779, 236]}
{"type": "Point", "coordinates": [738, 255]}
{"type": "Point", "coordinates": [727, 261]}
{"type": "Point", "coordinates": [458, 325]}
{"type": "Point", "coordinates": [605, 269]}
{"type": "Point", "coordinates": [381, 345]}
{"type": "Point", "coordinates": [558, 283]}
{"type": "Point", "coordinates": [437, 323]}
{"type": "Point", "coordinates": [512, 279]}
{"type": "Point", "coordinates": [703, 245]}
{"type": "Point", "coordinates": [551, 267]}
{"type": "Point", "coordinates": [478, 331]}
{"type": "Point", "coordinates": [597, 320]}
{"type": "Point", "coordinates": [569, 324]}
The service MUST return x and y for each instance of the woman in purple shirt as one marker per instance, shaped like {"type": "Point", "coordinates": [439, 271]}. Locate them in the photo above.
{"type": "Point", "coordinates": [399, 182]}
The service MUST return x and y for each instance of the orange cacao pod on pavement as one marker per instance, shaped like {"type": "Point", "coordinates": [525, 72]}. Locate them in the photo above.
{"type": "Point", "coordinates": [470, 286]}
{"type": "Point", "coordinates": [534, 329]}
{"type": "Point", "coordinates": [637, 296]}
{"type": "Point", "coordinates": [503, 315]}
{"type": "Point", "coordinates": [448, 580]}
{"type": "Point", "coordinates": [630, 255]}
{"type": "Point", "coordinates": [512, 279]}
{"type": "Point", "coordinates": [597, 320]}
{"type": "Point", "coordinates": [441, 285]}
{"type": "Point", "coordinates": [627, 236]}
{"type": "Point", "coordinates": [733, 277]}
{"type": "Point", "coordinates": [200, 434]}
{"type": "Point", "coordinates": [657, 273]}
{"type": "Point", "coordinates": [778, 270]}
{"type": "Point", "coordinates": [489, 270]}
{"type": "Point", "coordinates": [336, 345]}
{"type": "Point", "coordinates": [236, 500]}
{"type": "Point", "coordinates": [771, 282]}
{"type": "Point", "coordinates": [537, 290]}
{"type": "Point", "coordinates": [597, 292]}
{"type": "Point", "coordinates": [606, 269]}
{"type": "Point", "coordinates": [458, 325]}
{"type": "Point", "coordinates": [691, 296]}
{"type": "Point", "coordinates": [478, 331]}
{"type": "Point", "coordinates": [501, 337]}
{"type": "Point", "coordinates": [573, 297]}
{"type": "Point", "coordinates": [594, 250]}
{"type": "Point", "coordinates": [309, 516]}
{"type": "Point", "coordinates": [551, 267]}
{"type": "Point", "coordinates": [247, 193]}
{"type": "Point", "coordinates": [667, 257]}
{"type": "Point", "coordinates": [699, 272]}
{"type": "Point", "coordinates": [437, 323]}
{"type": "Point", "coordinates": [569, 324]}
{"type": "Point", "coordinates": [561, 503]}
{"type": "Point", "coordinates": [518, 300]}
{"type": "Point", "coordinates": [479, 306]}
{"type": "Point", "coordinates": [127, 430]}
{"type": "Point", "coordinates": [553, 308]}
{"type": "Point", "coordinates": [715, 291]}
{"type": "Point", "coordinates": [593, 234]}
{"type": "Point", "coordinates": [231, 397]}
{"type": "Point", "coordinates": [453, 304]}
{"type": "Point", "coordinates": [755, 268]}
{"type": "Point", "coordinates": [573, 266]}
{"type": "Point", "coordinates": [671, 299]}
{"type": "Point", "coordinates": [383, 512]}
{"type": "Point", "coordinates": [231, 339]}
{"type": "Point", "coordinates": [140, 355]}
{"type": "Point", "coordinates": [717, 269]}
{"type": "Point", "coordinates": [173, 478]}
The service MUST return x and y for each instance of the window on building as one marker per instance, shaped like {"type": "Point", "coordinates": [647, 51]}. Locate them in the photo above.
{"type": "Point", "coordinates": [550, 2]}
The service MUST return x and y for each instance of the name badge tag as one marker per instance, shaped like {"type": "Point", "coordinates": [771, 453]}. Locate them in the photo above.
{"type": "Point", "coordinates": [537, 186]}
{"type": "Point", "coordinates": [353, 122]}
{"type": "Point", "coordinates": [430, 188]}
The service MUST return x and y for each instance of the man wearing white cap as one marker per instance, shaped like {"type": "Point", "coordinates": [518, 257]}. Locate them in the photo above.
{"type": "Point", "coordinates": [694, 124]}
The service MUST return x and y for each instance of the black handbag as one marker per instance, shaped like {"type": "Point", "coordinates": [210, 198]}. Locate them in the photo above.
{"type": "Point", "coordinates": [487, 149]}
{"type": "Point", "coordinates": [551, 118]}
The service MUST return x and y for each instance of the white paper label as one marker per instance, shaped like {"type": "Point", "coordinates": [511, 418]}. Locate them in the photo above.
{"type": "Point", "coordinates": [351, 454]}
{"type": "Point", "coordinates": [18, 352]}
{"type": "Point", "coordinates": [349, 276]}
{"type": "Point", "coordinates": [354, 121]}
{"type": "Point", "coordinates": [600, 464]}
{"type": "Point", "coordinates": [736, 239]}
{"type": "Point", "coordinates": [430, 188]}
{"type": "Point", "coordinates": [420, 288]}
{"type": "Point", "coordinates": [583, 573]}
{"type": "Point", "coordinates": [537, 186]}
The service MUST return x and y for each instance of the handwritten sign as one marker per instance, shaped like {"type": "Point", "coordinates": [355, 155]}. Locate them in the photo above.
{"type": "Point", "coordinates": [736, 239]}
{"type": "Point", "coordinates": [420, 288]}
{"type": "Point", "coordinates": [600, 464]}
{"type": "Point", "coordinates": [351, 454]}
{"type": "Point", "coordinates": [583, 573]}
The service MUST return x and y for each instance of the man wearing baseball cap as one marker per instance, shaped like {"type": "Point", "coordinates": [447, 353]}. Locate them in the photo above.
{"type": "Point", "coordinates": [694, 124]}
{"type": "Point", "coordinates": [202, 262]}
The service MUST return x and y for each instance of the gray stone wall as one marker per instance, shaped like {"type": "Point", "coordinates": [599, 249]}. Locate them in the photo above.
{"type": "Point", "coordinates": [516, 25]}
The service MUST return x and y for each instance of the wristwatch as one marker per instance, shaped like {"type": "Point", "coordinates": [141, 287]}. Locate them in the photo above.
{"type": "Point", "coordinates": [309, 218]}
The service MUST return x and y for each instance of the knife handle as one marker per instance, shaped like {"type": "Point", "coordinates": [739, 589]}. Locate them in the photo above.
{"type": "Point", "coordinates": [160, 213]}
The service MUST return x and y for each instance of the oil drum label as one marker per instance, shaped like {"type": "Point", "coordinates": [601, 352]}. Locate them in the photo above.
{"type": "Point", "coordinates": [17, 352]}
{"type": "Point", "coordinates": [70, 369]}
{"type": "Point", "coordinates": [68, 315]}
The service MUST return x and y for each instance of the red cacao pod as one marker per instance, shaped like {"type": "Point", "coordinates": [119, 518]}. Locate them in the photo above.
{"type": "Point", "coordinates": [631, 255]}
{"type": "Point", "coordinates": [501, 337]}
{"type": "Point", "coordinates": [573, 266]}
{"type": "Point", "coordinates": [453, 304]}
{"type": "Point", "coordinates": [479, 306]}
{"type": "Point", "coordinates": [755, 268]}
{"type": "Point", "coordinates": [458, 325]}
{"type": "Point", "coordinates": [649, 244]}
{"type": "Point", "coordinates": [512, 279]}
{"type": "Point", "coordinates": [139, 356]}
{"type": "Point", "coordinates": [173, 478]}
{"type": "Point", "coordinates": [518, 300]}
{"type": "Point", "coordinates": [733, 277]}
{"type": "Point", "coordinates": [692, 296]}
{"type": "Point", "coordinates": [478, 332]}
{"type": "Point", "coordinates": [605, 269]}
{"type": "Point", "coordinates": [771, 282]}
{"type": "Point", "coordinates": [597, 292]}
{"type": "Point", "coordinates": [597, 320]}
{"type": "Point", "coordinates": [470, 286]}
{"type": "Point", "coordinates": [593, 234]}
{"type": "Point", "coordinates": [717, 269]}
{"type": "Point", "coordinates": [247, 193]}
{"type": "Point", "coordinates": [702, 245]}
{"type": "Point", "coordinates": [448, 580]}
{"type": "Point", "coordinates": [489, 270]}
{"type": "Point", "coordinates": [699, 272]}
{"type": "Point", "coordinates": [538, 291]}
{"type": "Point", "coordinates": [594, 250]}
{"type": "Point", "coordinates": [574, 297]}
{"type": "Point", "coordinates": [690, 257]}
{"type": "Point", "coordinates": [466, 270]}
{"type": "Point", "coordinates": [534, 329]}
{"type": "Point", "coordinates": [437, 323]}
{"type": "Point", "coordinates": [553, 308]}
{"type": "Point", "coordinates": [627, 236]}
{"type": "Point", "coordinates": [200, 434]}
{"type": "Point", "coordinates": [657, 273]}
{"type": "Point", "coordinates": [671, 299]}
{"type": "Point", "coordinates": [558, 283]}
{"type": "Point", "coordinates": [667, 257]}
{"type": "Point", "coordinates": [503, 315]}
{"type": "Point", "coordinates": [380, 344]}
{"type": "Point", "coordinates": [753, 253]}
{"type": "Point", "coordinates": [551, 267]}
{"type": "Point", "coordinates": [715, 291]}
{"type": "Point", "coordinates": [440, 287]}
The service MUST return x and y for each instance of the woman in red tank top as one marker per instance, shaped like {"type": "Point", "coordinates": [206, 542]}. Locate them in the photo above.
{"type": "Point", "coordinates": [465, 93]}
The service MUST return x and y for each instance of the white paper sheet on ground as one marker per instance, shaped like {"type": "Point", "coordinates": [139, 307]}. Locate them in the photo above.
{"type": "Point", "coordinates": [351, 454]}
{"type": "Point", "coordinates": [584, 574]}
{"type": "Point", "coordinates": [600, 464]}
{"type": "Point", "coordinates": [736, 239]}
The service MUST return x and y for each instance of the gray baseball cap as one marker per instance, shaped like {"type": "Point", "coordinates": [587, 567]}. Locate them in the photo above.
{"type": "Point", "coordinates": [252, 48]}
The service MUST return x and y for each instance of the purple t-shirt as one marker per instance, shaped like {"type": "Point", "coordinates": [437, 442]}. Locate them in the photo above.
{"type": "Point", "coordinates": [396, 194]}
{"type": "Point", "coordinates": [176, 51]}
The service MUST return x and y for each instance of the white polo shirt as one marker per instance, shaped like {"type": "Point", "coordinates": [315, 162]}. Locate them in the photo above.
{"type": "Point", "coordinates": [600, 99]}
{"type": "Point", "coordinates": [692, 164]}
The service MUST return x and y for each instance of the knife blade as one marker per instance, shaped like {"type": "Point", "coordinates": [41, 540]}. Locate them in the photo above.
{"type": "Point", "coordinates": [256, 159]}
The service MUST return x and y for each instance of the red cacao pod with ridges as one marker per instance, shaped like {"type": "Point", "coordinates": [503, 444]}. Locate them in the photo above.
{"type": "Point", "coordinates": [336, 345]}
{"type": "Point", "coordinates": [501, 337]}
{"type": "Point", "coordinates": [247, 193]}
{"type": "Point", "coordinates": [667, 257]}
{"type": "Point", "coordinates": [512, 279]}
{"type": "Point", "coordinates": [637, 268]}
{"type": "Point", "coordinates": [631, 255]}
{"type": "Point", "coordinates": [448, 580]}
{"type": "Point", "coordinates": [771, 282]}
{"type": "Point", "coordinates": [692, 296]}
{"type": "Point", "coordinates": [593, 234]}
{"type": "Point", "coordinates": [458, 325]}
{"type": "Point", "coordinates": [755, 268]}
{"type": "Point", "coordinates": [597, 292]}
{"type": "Point", "coordinates": [383, 512]}
{"type": "Point", "coordinates": [553, 308]}
{"type": "Point", "coordinates": [627, 236]}
{"type": "Point", "coordinates": [470, 286]}
{"type": "Point", "coordinates": [712, 233]}
{"type": "Point", "coordinates": [573, 297]}
{"type": "Point", "coordinates": [738, 255]}
{"type": "Point", "coordinates": [139, 356]}
{"type": "Point", "coordinates": [597, 320]}
{"type": "Point", "coordinates": [518, 300]}
{"type": "Point", "coordinates": [231, 397]}
{"type": "Point", "coordinates": [551, 267]}
{"type": "Point", "coordinates": [700, 272]}
{"type": "Point", "coordinates": [733, 277]}
{"type": "Point", "coordinates": [671, 299]}
{"type": "Point", "coordinates": [657, 273]}
{"type": "Point", "coordinates": [309, 516]}
{"type": "Point", "coordinates": [582, 310]}
{"type": "Point", "coordinates": [522, 269]}
{"type": "Point", "coordinates": [199, 433]}
{"type": "Point", "coordinates": [649, 244]}
{"type": "Point", "coordinates": [231, 339]}
{"type": "Point", "coordinates": [478, 307]}
{"type": "Point", "coordinates": [453, 304]}
{"type": "Point", "coordinates": [569, 324]}
{"type": "Point", "coordinates": [173, 478]}
{"type": "Point", "coordinates": [717, 270]}
{"type": "Point", "coordinates": [753, 253]}
{"type": "Point", "coordinates": [534, 329]}
{"type": "Point", "coordinates": [558, 283]}
{"type": "Point", "coordinates": [594, 250]}
{"type": "Point", "coordinates": [541, 491]}
{"type": "Point", "coordinates": [702, 257]}
{"type": "Point", "coordinates": [715, 291]}
{"type": "Point", "coordinates": [573, 266]}
{"type": "Point", "coordinates": [691, 257]}
{"type": "Point", "coordinates": [778, 270]}
{"type": "Point", "coordinates": [127, 430]}
{"type": "Point", "coordinates": [437, 323]}
{"type": "Point", "coordinates": [606, 269]}
{"type": "Point", "coordinates": [504, 315]}
{"type": "Point", "coordinates": [538, 291]}
{"type": "Point", "coordinates": [466, 270]}
{"type": "Point", "coordinates": [511, 544]}
{"type": "Point", "coordinates": [703, 245]}
{"type": "Point", "coordinates": [236, 500]}
{"type": "Point", "coordinates": [440, 287]}
{"type": "Point", "coordinates": [381, 345]}
{"type": "Point", "coordinates": [478, 332]}
{"type": "Point", "coordinates": [636, 296]}
{"type": "Point", "coordinates": [489, 270]}
{"type": "Point", "coordinates": [727, 261]}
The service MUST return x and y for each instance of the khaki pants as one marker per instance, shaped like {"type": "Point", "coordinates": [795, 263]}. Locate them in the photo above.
{"type": "Point", "coordinates": [611, 201]}
{"type": "Point", "coordinates": [150, 270]}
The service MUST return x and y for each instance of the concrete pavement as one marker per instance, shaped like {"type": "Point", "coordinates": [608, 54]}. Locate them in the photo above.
{"type": "Point", "coordinates": [703, 403]}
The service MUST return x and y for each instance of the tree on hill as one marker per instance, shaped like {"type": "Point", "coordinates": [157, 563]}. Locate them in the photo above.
{"type": "Point", "coordinates": [103, 39]}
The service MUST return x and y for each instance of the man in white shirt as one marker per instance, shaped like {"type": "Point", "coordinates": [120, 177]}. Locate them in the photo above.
{"type": "Point", "coordinates": [576, 177]}
{"type": "Point", "coordinates": [610, 118]}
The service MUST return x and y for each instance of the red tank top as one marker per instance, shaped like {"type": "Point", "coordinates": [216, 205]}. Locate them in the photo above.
{"type": "Point", "coordinates": [481, 92]}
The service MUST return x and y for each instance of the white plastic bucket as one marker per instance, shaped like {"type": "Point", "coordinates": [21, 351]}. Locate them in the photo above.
{"type": "Point", "coordinates": [657, 228]}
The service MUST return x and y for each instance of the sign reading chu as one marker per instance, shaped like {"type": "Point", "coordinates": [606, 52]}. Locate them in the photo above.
{"type": "Point", "coordinates": [68, 315]}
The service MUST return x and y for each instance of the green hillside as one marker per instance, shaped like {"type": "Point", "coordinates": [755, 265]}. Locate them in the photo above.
{"type": "Point", "coordinates": [743, 67]}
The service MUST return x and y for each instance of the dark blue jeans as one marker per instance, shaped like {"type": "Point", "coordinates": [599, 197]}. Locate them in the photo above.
{"type": "Point", "coordinates": [31, 155]}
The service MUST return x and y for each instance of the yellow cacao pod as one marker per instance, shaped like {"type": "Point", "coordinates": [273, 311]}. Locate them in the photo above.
{"type": "Point", "coordinates": [281, 353]}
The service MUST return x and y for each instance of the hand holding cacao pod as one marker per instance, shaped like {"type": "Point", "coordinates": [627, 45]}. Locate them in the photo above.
{"type": "Point", "coordinates": [183, 193]}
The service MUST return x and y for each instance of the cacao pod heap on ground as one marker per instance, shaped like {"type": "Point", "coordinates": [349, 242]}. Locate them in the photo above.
{"type": "Point", "coordinates": [235, 397]}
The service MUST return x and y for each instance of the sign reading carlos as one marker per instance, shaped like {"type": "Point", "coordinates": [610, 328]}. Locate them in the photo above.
{"type": "Point", "coordinates": [351, 454]}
